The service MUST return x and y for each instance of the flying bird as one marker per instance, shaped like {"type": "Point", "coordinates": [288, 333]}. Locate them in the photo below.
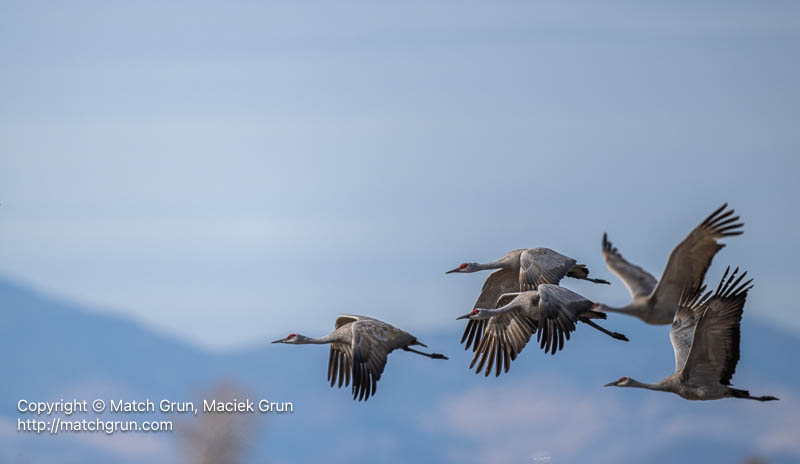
{"type": "Point", "coordinates": [533, 266]}
{"type": "Point", "coordinates": [518, 271]}
{"type": "Point", "coordinates": [654, 302]}
{"type": "Point", "coordinates": [359, 348]}
{"type": "Point", "coordinates": [705, 338]}
{"type": "Point", "coordinates": [550, 311]}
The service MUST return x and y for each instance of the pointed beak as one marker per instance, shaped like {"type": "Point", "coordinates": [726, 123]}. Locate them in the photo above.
{"type": "Point", "coordinates": [611, 384]}
{"type": "Point", "coordinates": [465, 316]}
{"type": "Point", "coordinates": [453, 270]}
{"type": "Point", "coordinates": [279, 341]}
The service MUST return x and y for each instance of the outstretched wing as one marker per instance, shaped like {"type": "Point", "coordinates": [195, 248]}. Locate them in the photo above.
{"type": "Point", "coordinates": [684, 323]}
{"type": "Point", "coordinates": [499, 282]}
{"type": "Point", "coordinates": [505, 336]}
{"type": "Point", "coordinates": [556, 315]}
{"type": "Point", "coordinates": [715, 346]}
{"type": "Point", "coordinates": [542, 266]}
{"type": "Point", "coordinates": [639, 282]}
{"type": "Point", "coordinates": [340, 364]}
{"type": "Point", "coordinates": [340, 358]}
{"type": "Point", "coordinates": [373, 340]}
{"type": "Point", "coordinates": [689, 261]}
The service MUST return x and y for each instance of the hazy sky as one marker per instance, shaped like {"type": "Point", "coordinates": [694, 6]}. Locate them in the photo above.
{"type": "Point", "coordinates": [232, 171]}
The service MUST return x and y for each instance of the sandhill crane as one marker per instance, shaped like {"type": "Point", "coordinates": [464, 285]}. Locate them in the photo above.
{"type": "Point", "coordinates": [655, 302]}
{"type": "Point", "coordinates": [519, 270]}
{"type": "Point", "coordinates": [550, 311]}
{"type": "Point", "coordinates": [705, 338]}
{"type": "Point", "coordinates": [359, 347]}
{"type": "Point", "coordinates": [532, 267]}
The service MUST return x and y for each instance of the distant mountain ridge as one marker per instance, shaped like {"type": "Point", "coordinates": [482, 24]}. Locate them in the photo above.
{"type": "Point", "coordinates": [57, 349]}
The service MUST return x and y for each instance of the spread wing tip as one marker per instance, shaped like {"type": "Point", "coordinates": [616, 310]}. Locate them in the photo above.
{"type": "Point", "coordinates": [608, 247]}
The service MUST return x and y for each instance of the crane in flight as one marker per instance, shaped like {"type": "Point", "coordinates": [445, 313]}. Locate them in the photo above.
{"type": "Point", "coordinates": [533, 266]}
{"type": "Point", "coordinates": [705, 338]}
{"type": "Point", "coordinates": [518, 271]}
{"type": "Point", "coordinates": [654, 302]}
{"type": "Point", "coordinates": [359, 348]}
{"type": "Point", "coordinates": [550, 311]}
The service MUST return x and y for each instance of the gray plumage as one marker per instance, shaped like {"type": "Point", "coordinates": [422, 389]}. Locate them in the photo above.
{"type": "Point", "coordinates": [359, 349]}
{"type": "Point", "coordinates": [533, 266]}
{"type": "Point", "coordinates": [518, 270]}
{"type": "Point", "coordinates": [550, 311]}
{"type": "Point", "coordinates": [705, 338]}
{"type": "Point", "coordinates": [654, 302]}
{"type": "Point", "coordinates": [498, 283]}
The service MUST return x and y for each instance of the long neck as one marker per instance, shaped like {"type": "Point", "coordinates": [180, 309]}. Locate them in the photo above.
{"type": "Point", "coordinates": [650, 386]}
{"type": "Point", "coordinates": [631, 308]}
{"type": "Point", "coordinates": [502, 263]}
{"type": "Point", "coordinates": [316, 341]}
{"type": "Point", "coordinates": [488, 313]}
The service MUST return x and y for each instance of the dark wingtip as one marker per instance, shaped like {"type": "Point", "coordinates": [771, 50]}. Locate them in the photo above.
{"type": "Point", "coordinates": [714, 216]}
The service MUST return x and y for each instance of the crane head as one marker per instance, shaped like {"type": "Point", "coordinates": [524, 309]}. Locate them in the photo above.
{"type": "Point", "coordinates": [622, 382]}
{"type": "Point", "coordinates": [475, 314]}
{"type": "Point", "coordinates": [463, 267]}
{"type": "Point", "coordinates": [291, 338]}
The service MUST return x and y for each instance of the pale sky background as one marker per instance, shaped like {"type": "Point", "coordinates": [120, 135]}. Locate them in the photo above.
{"type": "Point", "coordinates": [233, 171]}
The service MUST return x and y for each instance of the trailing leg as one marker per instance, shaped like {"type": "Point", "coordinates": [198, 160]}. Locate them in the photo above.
{"type": "Point", "coordinates": [616, 335]}
{"type": "Point", "coordinates": [744, 394]}
{"type": "Point", "coordinates": [430, 355]}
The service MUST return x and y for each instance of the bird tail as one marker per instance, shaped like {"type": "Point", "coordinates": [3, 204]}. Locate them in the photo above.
{"type": "Point", "coordinates": [580, 271]}
{"type": "Point", "coordinates": [737, 393]}
{"type": "Point", "coordinates": [594, 315]}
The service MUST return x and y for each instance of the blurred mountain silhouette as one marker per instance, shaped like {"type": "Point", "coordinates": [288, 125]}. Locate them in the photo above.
{"type": "Point", "coordinates": [545, 407]}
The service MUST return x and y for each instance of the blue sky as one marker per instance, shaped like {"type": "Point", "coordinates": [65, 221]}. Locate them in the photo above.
{"type": "Point", "coordinates": [233, 172]}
